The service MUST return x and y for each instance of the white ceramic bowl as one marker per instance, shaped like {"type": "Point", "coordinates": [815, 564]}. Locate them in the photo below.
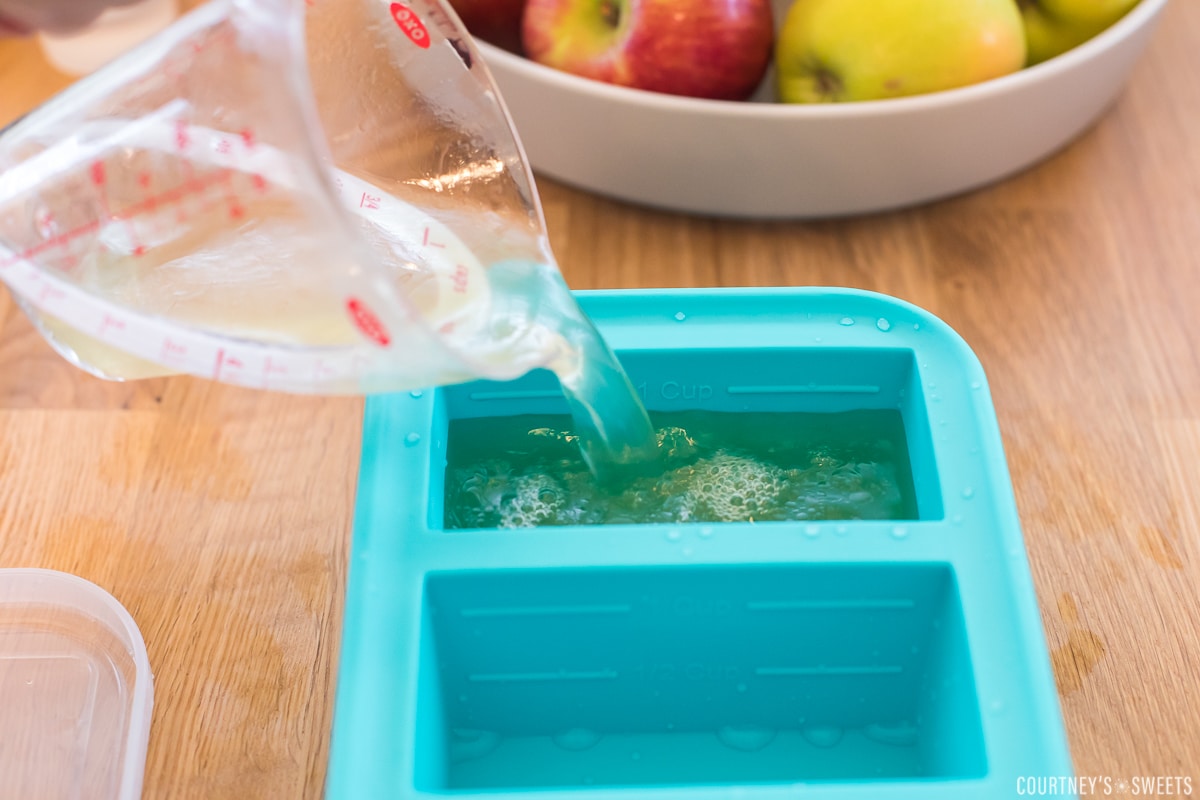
{"type": "Point", "coordinates": [770, 160]}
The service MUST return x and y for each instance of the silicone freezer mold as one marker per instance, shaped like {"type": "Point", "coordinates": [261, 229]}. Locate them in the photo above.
{"type": "Point", "coordinates": [889, 660]}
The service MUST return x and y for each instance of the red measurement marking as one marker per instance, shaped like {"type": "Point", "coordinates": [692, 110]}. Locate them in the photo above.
{"type": "Point", "coordinates": [143, 180]}
{"type": "Point", "coordinates": [236, 212]}
{"type": "Point", "coordinates": [270, 368]}
{"type": "Point", "coordinates": [181, 135]}
{"type": "Point", "coordinates": [247, 137]}
{"type": "Point", "coordinates": [140, 250]}
{"type": "Point", "coordinates": [176, 194]}
{"type": "Point", "coordinates": [61, 240]}
{"type": "Point", "coordinates": [225, 362]}
{"type": "Point", "coordinates": [172, 350]}
{"type": "Point", "coordinates": [44, 220]}
{"type": "Point", "coordinates": [98, 173]}
{"type": "Point", "coordinates": [367, 322]}
{"type": "Point", "coordinates": [195, 186]}
{"type": "Point", "coordinates": [370, 201]}
{"type": "Point", "coordinates": [49, 294]}
{"type": "Point", "coordinates": [425, 241]}
{"type": "Point", "coordinates": [112, 323]}
{"type": "Point", "coordinates": [258, 182]}
{"type": "Point", "coordinates": [461, 279]}
{"type": "Point", "coordinates": [411, 24]}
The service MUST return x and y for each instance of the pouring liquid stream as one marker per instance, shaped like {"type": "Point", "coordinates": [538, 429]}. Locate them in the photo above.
{"type": "Point", "coordinates": [221, 262]}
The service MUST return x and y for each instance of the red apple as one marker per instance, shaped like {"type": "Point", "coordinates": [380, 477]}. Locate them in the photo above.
{"type": "Point", "coordinates": [717, 49]}
{"type": "Point", "coordinates": [496, 22]}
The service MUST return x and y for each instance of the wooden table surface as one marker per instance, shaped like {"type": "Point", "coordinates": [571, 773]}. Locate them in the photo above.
{"type": "Point", "coordinates": [221, 517]}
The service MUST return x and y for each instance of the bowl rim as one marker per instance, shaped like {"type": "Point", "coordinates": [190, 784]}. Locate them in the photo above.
{"type": "Point", "coordinates": [1142, 14]}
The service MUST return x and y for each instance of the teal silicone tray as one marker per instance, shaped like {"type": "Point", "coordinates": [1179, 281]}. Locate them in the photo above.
{"type": "Point", "coordinates": [819, 660]}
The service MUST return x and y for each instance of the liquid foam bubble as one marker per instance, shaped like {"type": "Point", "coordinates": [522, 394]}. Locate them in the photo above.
{"type": "Point", "coordinates": [900, 734]}
{"type": "Point", "coordinates": [536, 501]}
{"type": "Point", "coordinates": [819, 735]}
{"type": "Point", "coordinates": [468, 744]}
{"type": "Point", "coordinates": [576, 739]}
{"type": "Point", "coordinates": [542, 481]}
{"type": "Point", "coordinates": [747, 738]}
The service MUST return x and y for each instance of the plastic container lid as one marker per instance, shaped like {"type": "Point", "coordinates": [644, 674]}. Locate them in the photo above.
{"type": "Point", "coordinates": [75, 690]}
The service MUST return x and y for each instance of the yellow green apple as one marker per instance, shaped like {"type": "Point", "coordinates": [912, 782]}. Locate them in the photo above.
{"type": "Point", "coordinates": [851, 50]}
{"type": "Point", "coordinates": [1053, 27]}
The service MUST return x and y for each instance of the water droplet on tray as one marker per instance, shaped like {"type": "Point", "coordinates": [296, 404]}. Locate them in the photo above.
{"type": "Point", "coordinates": [821, 735]}
{"type": "Point", "coordinates": [467, 744]}
{"type": "Point", "coordinates": [846, 321]}
{"type": "Point", "coordinates": [900, 734]}
{"type": "Point", "coordinates": [747, 738]}
{"type": "Point", "coordinates": [899, 532]}
{"type": "Point", "coordinates": [673, 534]}
{"type": "Point", "coordinates": [412, 439]}
{"type": "Point", "coordinates": [841, 530]}
{"type": "Point", "coordinates": [812, 531]}
{"type": "Point", "coordinates": [576, 739]}
{"type": "Point", "coordinates": [883, 324]}
{"type": "Point", "coordinates": [416, 393]}
{"type": "Point", "coordinates": [968, 492]}
{"type": "Point", "coordinates": [680, 316]}
{"type": "Point", "coordinates": [706, 531]}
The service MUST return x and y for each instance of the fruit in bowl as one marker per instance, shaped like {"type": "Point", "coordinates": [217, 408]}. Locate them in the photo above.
{"type": "Point", "coordinates": [715, 49]}
{"type": "Point", "coordinates": [821, 51]}
{"type": "Point", "coordinates": [1053, 27]}
{"type": "Point", "coordinates": [768, 160]}
{"type": "Point", "coordinates": [846, 50]}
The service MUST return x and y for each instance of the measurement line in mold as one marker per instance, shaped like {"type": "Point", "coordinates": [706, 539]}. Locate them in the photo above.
{"type": "Point", "coordinates": [831, 605]}
{"type": "Point", "coordinates": [545, 611]}
{"type": "Point", "coordinates": [818, 671]}
{"type": "Point", "coordinates": [527, 677]}
{"type": "Point", "coordinates": [811, 388]}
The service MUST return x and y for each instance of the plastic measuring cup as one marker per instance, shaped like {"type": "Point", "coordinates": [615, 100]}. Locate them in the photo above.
{"type": "Point", "coordinates": [322, 196]}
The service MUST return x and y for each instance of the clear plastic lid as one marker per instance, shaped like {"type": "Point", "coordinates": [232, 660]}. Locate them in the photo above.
{"type": "Point", "coordinates": [75, 690]}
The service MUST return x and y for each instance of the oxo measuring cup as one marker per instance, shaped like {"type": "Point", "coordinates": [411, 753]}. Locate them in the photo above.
{"type": "Point", "coordinates": [321, 196]}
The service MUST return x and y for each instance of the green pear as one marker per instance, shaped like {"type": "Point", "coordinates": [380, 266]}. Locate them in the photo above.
{"type": "Point", "coordinates": [848, 50]}
{"type": "Point", "coordinates": [1053, 27]}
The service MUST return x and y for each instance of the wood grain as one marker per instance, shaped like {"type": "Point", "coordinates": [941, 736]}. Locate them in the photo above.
{"type": "Point", "coordinates": [221, 517]}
